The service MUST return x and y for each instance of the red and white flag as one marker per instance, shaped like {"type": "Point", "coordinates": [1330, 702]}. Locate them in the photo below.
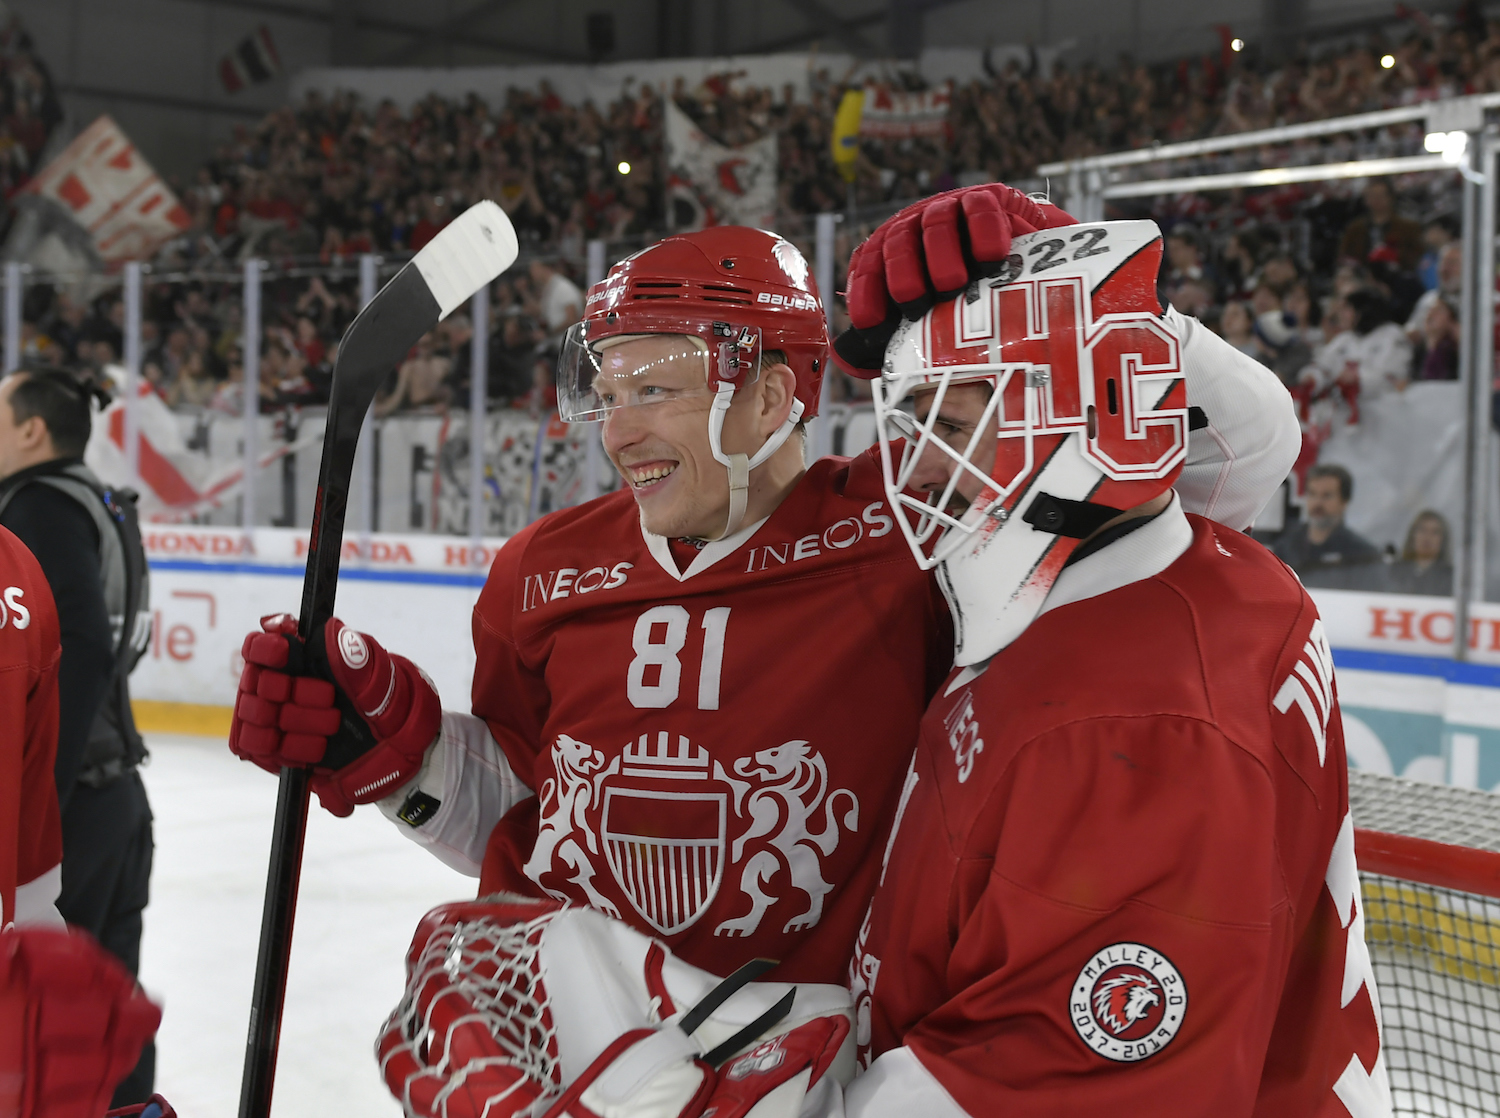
{"type": "Point", "coordinates": [892, 115]}
{"type": "Point", "coordinates": [111, 191]}
{"type": "Point", "coordinates": [711, 184]}
{"type": "Point", "coordinates": [253, 61]}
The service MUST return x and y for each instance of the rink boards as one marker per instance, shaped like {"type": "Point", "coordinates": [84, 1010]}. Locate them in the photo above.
{"type": "Point", "coordinates": [1409, 708]}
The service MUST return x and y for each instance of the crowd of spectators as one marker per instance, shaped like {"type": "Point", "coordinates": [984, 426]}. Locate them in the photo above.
{"type": "Point", "coordinates": [330, 178]}
{"type": "Point", "coordinates": [335, 176]}
{"type": "Point", "coordinates": [1349, 296]}
{"type": "Point", "coordinates": [192, 341]}
{"type": "Point", "coordinates": [29, 108]}
{"type": "Point", "coordinates": [1373, 306]}
{"type": "Point", "coordinates": [1346, 291]}
{"type": "Point", "coordinates": [1325, 552]}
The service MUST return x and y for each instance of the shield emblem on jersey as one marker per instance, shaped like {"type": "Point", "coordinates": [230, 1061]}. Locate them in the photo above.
{"type": "Point", "coordinates": [666, 850]}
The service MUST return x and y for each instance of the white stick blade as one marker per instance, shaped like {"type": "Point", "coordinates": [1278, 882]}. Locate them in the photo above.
{"type": "Point", "coordinates": [468, 253]}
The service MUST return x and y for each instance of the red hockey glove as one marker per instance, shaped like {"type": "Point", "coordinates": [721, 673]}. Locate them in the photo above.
{"type": "Point", "coordinates": [154, 1107]}
{"type": "Point", "coordinates": [929, 252]}
{"type": "Point", "coordinates": [72, 1023]}
{"type": "Point", "coordinates": [362, 718]}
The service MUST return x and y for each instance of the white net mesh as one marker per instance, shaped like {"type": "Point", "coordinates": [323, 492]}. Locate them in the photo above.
{"type": "Point", "coordinates": [1437, 812]}
{"type": "Point", "coordinates": [480, 973]}
{"type": "Point", "coordinates": [1436, 952]}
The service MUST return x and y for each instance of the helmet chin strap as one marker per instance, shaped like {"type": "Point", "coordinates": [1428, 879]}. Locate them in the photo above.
{"type": "Point", "coordinates": [740, 465]}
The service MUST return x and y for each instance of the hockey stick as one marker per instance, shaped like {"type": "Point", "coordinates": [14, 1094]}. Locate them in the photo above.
{"type": "Point", "coordinates": [469, 252]}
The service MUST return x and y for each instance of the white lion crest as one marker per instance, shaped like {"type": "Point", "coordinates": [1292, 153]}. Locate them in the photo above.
{"type": "Point", "coordinates": [779, 794]}
{"type": "Point", "coordinates": [564, 803]}
{"type": "Point", "coordinates": [794, 783]}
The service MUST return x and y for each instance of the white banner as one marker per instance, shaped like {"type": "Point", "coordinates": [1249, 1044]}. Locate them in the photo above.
{"type": "Point", "coordinates": [893, 115]}
{"type": "Point", "coordinates": [1406, 624]}
{"type": "Point", "coordinates": [209, 587]}
{"type": "Point", "coordinates": [711, 184]}
{"type": "Point", "coordinates": [1408, 707]}
{"type": "Point", "coordinates": [112, 192]}
{"type": "Point", "coordinates": [287, 547]}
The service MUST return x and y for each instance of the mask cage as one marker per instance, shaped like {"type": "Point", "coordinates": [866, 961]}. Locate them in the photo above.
{"type": "Point", "coordinates": [933, 530]}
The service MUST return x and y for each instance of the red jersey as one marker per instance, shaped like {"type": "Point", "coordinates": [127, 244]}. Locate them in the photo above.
{"type": "Point", "coordinates": [30, 828]}
{"type": "Point", "coordinates": [1123, 879]}
{"type": "Point", "coordinates": [716, 752]}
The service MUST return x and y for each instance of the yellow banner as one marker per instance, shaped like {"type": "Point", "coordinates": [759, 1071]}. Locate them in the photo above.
{"type": "Point", "coordinates": [846, 132]}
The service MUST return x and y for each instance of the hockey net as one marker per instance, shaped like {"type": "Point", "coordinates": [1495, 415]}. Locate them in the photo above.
{"type": "Point", "coordinates": [1429, 859]}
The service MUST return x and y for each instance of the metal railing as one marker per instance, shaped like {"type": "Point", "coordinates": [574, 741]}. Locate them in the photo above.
{"type": "Point", "coordinates": [289, 444]}
{"type": "Point", "coordinates": [1092, 180]}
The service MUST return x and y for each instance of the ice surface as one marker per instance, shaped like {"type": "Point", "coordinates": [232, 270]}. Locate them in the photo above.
{"type": "Point", "coordinates": [364, 887]}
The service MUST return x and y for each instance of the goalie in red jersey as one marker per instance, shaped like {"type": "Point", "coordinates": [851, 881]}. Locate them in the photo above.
{"type": "Point", "coordinates": [72, 1020]}
{"type": "Point", "coordinates": [1122, 875]}
{"type": "Point", "coordinates": [695, 698]}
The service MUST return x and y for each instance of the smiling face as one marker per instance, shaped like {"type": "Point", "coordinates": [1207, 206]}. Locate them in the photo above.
{"type": "Point", "coordinates": [657, 432]}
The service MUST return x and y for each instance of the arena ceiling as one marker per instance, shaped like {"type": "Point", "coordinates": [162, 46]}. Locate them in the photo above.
{"type": "Point", "coordinates": [156, 64]}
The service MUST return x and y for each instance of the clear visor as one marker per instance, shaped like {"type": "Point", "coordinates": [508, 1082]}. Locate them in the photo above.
{"type": "Point", "coordinates": [597, 377]}
{"type": "Point", "coordinates": [969, 452]}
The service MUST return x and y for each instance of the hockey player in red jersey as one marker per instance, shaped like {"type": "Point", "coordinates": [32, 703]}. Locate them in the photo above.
{"type": "Point", "coordinates": [694, 698]}
{"type": "Point", "coordinates": [72, 1021]}
{"type": "Point", "coordinates": [1122, 876]}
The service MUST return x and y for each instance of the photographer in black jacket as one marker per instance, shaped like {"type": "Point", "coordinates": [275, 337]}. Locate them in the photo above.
{"type": "Point", "coordinates": [86, 539]}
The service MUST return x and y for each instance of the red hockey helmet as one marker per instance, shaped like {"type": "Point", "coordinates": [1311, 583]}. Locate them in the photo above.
{"type": "Point", "coordinates": [730, 275]}
{"type": "Point", "coordinates": [1086, 417]}
{"type": "Point", "coordinates": [730, 293]}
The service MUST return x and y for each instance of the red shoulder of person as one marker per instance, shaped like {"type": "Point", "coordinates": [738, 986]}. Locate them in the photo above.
{"type": "Point", "coordinates": [30, 648]}
{"type": "Point", "coordinates": [72, 1020]}
{"type": "Point", "coordinates": [1124, 876]}
{"type": "Point", "coordinates": [709, 763]}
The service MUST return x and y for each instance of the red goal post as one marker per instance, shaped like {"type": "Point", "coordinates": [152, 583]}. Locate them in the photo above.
{"type": "Point", "coordinates": [1429, 862]}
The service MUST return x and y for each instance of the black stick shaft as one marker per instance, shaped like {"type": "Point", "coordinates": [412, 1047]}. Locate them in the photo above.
{"type": "Point", "coordinates": [275, 944]}
{"type": "Point", "coordinates": [373, 345]}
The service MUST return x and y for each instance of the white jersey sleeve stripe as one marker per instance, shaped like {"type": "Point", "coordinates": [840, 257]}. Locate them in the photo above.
{"type": "Point", "coordinates": [466, 771]}
{"type": "Point", "coordinates": [36, 900]}
{"type": "Point", "coordinates": [897, 1085]}
{"type": "Point", "coordinates": [1235, 466]}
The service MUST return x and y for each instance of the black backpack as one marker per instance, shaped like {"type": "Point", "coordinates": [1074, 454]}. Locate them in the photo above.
{"type": "Point", "coordinates": [114, 745]}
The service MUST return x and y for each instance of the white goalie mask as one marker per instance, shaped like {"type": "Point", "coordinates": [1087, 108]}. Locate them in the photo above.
{"type": "Point", "coordinates": [1085, 416]}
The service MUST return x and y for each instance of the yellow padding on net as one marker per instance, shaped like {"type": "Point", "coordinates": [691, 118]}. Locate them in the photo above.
{"type": "Point", "coordinates": [1420, 919]}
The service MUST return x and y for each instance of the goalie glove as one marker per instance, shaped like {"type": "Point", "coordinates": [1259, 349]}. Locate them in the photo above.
{"type": "Point", "coordinates": [929, 252]}
{"type": "Point", "coordinates": [361, 717]}
{"type": "Point", "coordinates": [527, 1007]}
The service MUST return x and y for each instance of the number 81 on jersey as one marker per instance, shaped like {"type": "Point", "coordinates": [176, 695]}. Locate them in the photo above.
{"type": "Point", "coordinates": [654, 679]}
